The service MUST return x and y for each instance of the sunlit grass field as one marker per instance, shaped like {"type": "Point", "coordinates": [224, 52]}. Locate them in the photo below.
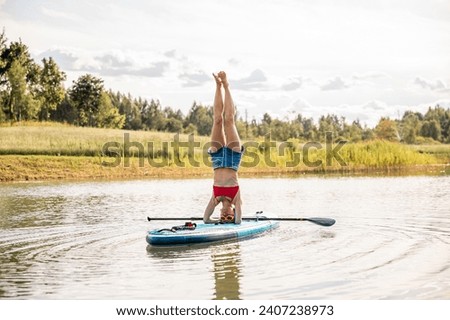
{"type": "Point", "coordinates": [63, 140]}
{"type": "Point", "coordinates": [441, 151]}
{"type": "Point", "coordinates": [58, 151]}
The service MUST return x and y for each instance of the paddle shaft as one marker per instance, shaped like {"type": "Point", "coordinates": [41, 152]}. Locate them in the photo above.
{"type": "Point", "coordinates": [326, 222]}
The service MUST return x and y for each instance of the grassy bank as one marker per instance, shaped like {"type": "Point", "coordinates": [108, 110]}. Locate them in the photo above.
{"type": "Point", "coordinates": [29, 168]}
{"type": "Point", "coordinates": [57, 151]}
{"type": "Point", "coordinates": [36, 168]}
{"type": "Point", "coordinates": [56, 139]}
{"type": "Point", "coordinates": [440, 151]}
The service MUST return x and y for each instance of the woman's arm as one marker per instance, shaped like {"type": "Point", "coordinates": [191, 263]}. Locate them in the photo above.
{"type": "Point", "coordinates": [209, 211]}
{"type": "Point", "coordinates": [238, 208]}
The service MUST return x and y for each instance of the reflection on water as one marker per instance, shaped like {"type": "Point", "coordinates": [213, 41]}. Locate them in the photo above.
{"type": "Point", "coordinates": [224, 259]}
{"type": "Point", "coordinates": [226, 272]}
{"type": "Point", "coordinates": [86, 240]}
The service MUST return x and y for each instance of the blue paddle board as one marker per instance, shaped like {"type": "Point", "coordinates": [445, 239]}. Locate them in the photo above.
{"type": "Point", "coordinates": [210, 232]}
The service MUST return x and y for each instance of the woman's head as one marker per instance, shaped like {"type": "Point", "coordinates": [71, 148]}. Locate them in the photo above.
{"type": "Point", "coordinates": [227, 212]}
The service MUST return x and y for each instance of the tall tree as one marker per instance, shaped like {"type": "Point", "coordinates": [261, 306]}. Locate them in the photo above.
{"type": "Point", "coordinates": [15, 52]}
{"type": "Point", "coordinates": [201, 117]}
{"type": "Point", "coordinates": [20, 104]}
{"type": "Point", "coordinates": [65, 111]}
{"type": "Point", "coordinates": [108, 115]}
{"type": "Point", "coordinates": [152, 115]}
{"type": "Point", "coordinates": [50, 89]}
{"type": "Point", "coordinates": [410, 126]}
{"type": "Point", "coordinates": [438, 119]}
{"type": "Point", "coordinates": [431, 129]}
{"type": "Point", "coordinates": [354, 132]}
{"type": "Point", "coordinates": [387, 129]}
{"type": "Point", "coordinates": [309, 129]}
{"type": "Point", "coordinates": [3, 61]}
{"type": "Point", "coordinates": [3, 95]}
{"type": "Point", "coordinates": [86, 94]}
{"type": "Point", "coordinates": [330, 123]}
{"type": "Point", "coordinates": [18, 79]}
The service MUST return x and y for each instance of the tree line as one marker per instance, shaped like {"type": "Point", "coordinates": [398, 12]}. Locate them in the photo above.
{"type": "Point", "coordinates": [31, 90]}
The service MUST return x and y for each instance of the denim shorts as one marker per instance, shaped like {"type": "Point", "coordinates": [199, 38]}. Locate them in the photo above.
{"type": "Point", "coordinates": [226, 158]}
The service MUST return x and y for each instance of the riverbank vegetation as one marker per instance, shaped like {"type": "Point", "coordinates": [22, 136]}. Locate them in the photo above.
{"type": "Point", "coordinates": [41, 151]}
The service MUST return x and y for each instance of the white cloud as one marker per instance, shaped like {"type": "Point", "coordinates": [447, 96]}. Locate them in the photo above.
{"type": "Point", "coordinates": [301, 105]}
{"type": "Point", "coordinates": [170, 53]}
{"type": "Point", "coordinates": [293, 84]}
{"type": "Point", "coordinates": [436, 85]}
{"type": "Point", "coordinates": [375, 105]}
{"type": "Point", "coordinates": [113, 63]}
{"type": "Point", "coordinates": [114, 60]}
{"type": "Point", "coordinates": [64, 58]}
{"type": "Point", "coordinates": [195, 79]}
{"type": "Point", "coordinates": [156, 69]}
{"type": "Point", "coordinates": [255, 81]}
{"type": "Point", "coordinates": [119, 64]}
{"type": "Point", "coordinates": [233, 62]}
{"type": "Point", "coordinates": [335, 84]}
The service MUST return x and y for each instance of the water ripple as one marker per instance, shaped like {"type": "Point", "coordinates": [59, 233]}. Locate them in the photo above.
{"type": "Point", "coordinates": [87, 240]}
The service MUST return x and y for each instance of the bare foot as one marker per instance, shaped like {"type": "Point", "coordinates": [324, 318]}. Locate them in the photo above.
{"type": "Point", "coordinates": [223, 76]}
{"type": "Point", "coordinates": [218, 80]}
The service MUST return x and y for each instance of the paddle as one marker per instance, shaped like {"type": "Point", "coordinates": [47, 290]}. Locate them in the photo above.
{"type": "Point", "coordinates": [325, 222]}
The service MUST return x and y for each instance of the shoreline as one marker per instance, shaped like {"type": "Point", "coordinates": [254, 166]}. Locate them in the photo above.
{"type": "Point", "coordinates": [17, 168]}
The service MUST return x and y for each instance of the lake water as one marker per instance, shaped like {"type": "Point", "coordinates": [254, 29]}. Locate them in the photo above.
{"type": "Point", "coordinates": [86, 240]}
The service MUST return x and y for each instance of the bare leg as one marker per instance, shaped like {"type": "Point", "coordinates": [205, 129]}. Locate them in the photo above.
{"type": "Point", "coordinates": [217, 132]}
{"type": "Point", "coordinates": [231, 133]}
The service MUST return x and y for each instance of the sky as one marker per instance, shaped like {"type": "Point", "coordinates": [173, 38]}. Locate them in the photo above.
{"type": "Point", "coordinates": [354, 58]}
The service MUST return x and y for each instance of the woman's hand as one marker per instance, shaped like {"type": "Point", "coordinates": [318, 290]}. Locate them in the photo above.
{"type": "Point", "coordinates": [211, 221]}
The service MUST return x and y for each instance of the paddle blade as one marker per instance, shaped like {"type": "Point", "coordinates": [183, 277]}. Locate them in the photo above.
{"type": "Point", "coordinates": [326, 222]}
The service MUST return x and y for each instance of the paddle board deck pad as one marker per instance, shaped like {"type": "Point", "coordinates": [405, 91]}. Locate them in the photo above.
{"type": "Point", "coordinates": [209, 232]}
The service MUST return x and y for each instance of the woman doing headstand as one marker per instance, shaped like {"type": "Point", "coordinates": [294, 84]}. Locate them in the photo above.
{"type": "Point", "coordinates": [226, 152]}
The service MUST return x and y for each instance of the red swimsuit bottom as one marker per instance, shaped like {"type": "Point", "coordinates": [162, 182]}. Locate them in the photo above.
{"type": "Point", "coordinates": [229, 192]}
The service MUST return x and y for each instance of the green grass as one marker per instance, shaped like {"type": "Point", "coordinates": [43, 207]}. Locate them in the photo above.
{"type": "Point", "coordinates": [55, 151]}
{"type": "Point", "coordinates": [382, 154]}
{"type": "Point", "coordinates": [440, 151]}
{"type": "Point", "coordinates": [64, 140]}
{"type": "Point", "coordinates": [38, 167]}
{"type": "Point", "coordinates": [376, 154]}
